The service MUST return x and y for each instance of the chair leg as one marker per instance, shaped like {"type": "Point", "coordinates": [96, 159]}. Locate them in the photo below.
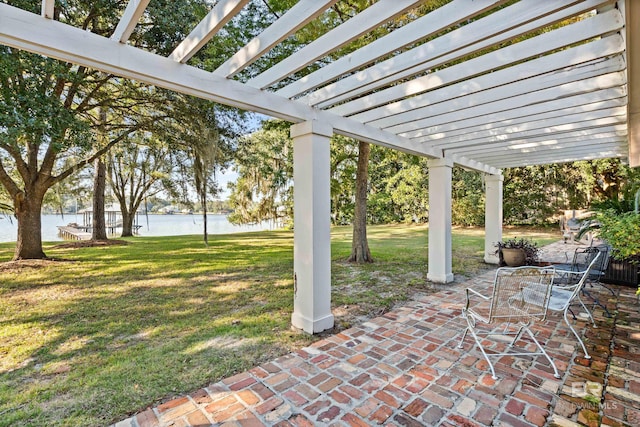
{"type": "Point", "coordinates": [584, 349]}
{"type": "Point", "coordinates": [553, 365]}
{"type": "Point", "coordinates": [596, 302]}
{"type": "Point", "coordinates": [518, 335]}
{"type": "Point", "coordinates": [464, 335]}
{"type": "Point", "coordinates": [477, 340]}
{"type": "Point", "coordinates": [586, 310]}
{"type": "Point", "coordinates": [613, 292]}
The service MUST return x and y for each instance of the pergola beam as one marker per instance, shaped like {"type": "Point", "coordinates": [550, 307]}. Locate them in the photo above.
{"type": "Point", "coordinates": [365, 21]}
{"type": "Point", "coordinates": [475, 165]}
{"type": "Point", "coordinates": [303, 12]}
{"type": "Point", "coordinates": [217, 17]}
{"type": "Point", "coordinates": [631, 11]}
{"type": "Point", "coordinates": [129, 20]}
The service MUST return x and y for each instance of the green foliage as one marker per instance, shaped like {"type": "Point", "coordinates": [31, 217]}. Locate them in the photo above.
{"type": "Point", "coordinates": [401, 184]}
{"type": "Point", "coordinates": [622, 232]}
{"type": "Point", "coordinates": [263, 191]}
{"type": "Point", "coordinates": [467, 198]}
{"type": "Point", "coordinates": [528, 198]}
{"type": "Point", "coordinates": [534, 194]}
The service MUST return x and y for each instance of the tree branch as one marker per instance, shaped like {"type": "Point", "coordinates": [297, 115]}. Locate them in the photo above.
{"type": "Point", "coordinates": [71, 94]}
{"type": "Point", "coordinates": [22, 167]}
{"type": "Point", "coordinates": [8, 183]}
{"type": "Point", "coordinates": [81, 164]}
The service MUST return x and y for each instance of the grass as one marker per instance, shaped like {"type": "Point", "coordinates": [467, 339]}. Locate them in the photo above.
{"type": "Point", "coordinates": [108, 331]}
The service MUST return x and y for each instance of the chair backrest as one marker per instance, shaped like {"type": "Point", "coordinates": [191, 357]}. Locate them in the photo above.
{"type": "Point", "coordinates": [603, 263]}
{"type": "Point", "coordinates": [576, 287]}
{"type": "Point", "coordinates": [521, 294]}
{"type": "Point", "coordinates": [583, 257]}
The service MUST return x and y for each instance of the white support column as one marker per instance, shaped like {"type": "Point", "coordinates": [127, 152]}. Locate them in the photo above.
{"type": "Point", "coordinates": [492, 217]}
{"type": "Point", "coordinates": [440, 221]}
{"type": "Point", "coordinates": [312, 240]}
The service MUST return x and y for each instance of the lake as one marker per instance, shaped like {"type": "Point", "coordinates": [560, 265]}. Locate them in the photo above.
{"type": "Point", "coordinates": [158, 225]}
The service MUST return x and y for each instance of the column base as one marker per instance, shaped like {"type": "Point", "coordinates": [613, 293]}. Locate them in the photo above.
{"type": "Point", "coordinates": [492, 259]}
{"type": "Point", "coordinates": [440, 278]}
{"type": "Point", "coordinates": [312, 326]}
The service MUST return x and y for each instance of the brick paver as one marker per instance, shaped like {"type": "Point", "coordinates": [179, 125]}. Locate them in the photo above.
{"type": "Point", "coordinates": [405, 368]}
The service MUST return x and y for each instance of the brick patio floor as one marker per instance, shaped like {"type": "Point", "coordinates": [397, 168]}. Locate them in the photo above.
{"type": "Point", "coordinates": [404, 369]}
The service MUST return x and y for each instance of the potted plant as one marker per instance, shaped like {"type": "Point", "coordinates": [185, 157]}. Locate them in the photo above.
{"type": "Point", "coordinates": [515, 252]}
{"type": "Point", "coordinates": [622, 232]}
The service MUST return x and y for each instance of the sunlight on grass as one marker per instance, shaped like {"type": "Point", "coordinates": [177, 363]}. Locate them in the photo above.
{"type": "Point", "coordinates": [107, 331]}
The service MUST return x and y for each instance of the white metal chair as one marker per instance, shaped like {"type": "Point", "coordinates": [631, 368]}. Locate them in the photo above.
{"type": "Point", "coordinates": [563, 295]}
{"type": "Point", "coordinates": [520, 297]}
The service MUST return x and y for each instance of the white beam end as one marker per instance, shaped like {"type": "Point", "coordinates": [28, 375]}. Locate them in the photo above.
{"type": "Point", "coordinates": [129, 20]}
{"type": "Point", "coordinates": [47, 8]}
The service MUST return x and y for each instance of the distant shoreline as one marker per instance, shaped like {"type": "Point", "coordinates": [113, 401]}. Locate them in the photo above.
{"type": "Point", "coordinates": [158, 224]}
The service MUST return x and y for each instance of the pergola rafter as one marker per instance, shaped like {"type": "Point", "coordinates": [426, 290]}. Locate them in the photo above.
{"type": "Point", "coordinates": [524, 79]}
{"type": "Point", "coordinates": [502, 26]}
{"type": "Point", "coordinates": [518, 145]}
{"type": "Point", "coordinates": [129, 20]}
{"type": "Point", "coordinates": [370, 19]}
{"type": "Point", "coordinates": [568, 105]}
{"type": "Point", "coordinates": [449, 15]}
{"type": "Point", "coordinates": [221, 13]}
{"type": "Point", "coordinates": [535, 127]}
{"type": "Point", "coordinates": [297, 17]}
{"type": "Point", "coordinates": [547, 42]}
{"type": "Point", "coordinates": [420, 88]}
{"type": "Point", "coordinates": [47, 9]}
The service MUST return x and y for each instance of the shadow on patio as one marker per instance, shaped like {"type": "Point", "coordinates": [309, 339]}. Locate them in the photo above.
{"type": "Point", "coordinates": [404, 369]}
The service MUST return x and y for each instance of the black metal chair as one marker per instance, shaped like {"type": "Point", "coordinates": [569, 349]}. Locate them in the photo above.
{"type": "Point", "coordinates": [583, 258]}
{"type": "Point", "coordinates": [566, 292]}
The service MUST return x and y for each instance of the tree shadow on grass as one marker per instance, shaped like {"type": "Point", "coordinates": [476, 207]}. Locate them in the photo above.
{"type": "Point", "coordinates": [115, 349]}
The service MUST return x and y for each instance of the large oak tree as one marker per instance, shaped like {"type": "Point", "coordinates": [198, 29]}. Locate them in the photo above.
{"type": "Point", "coordinates": [50, 109]}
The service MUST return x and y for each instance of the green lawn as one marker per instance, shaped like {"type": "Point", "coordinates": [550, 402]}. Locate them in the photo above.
{"type": "Point", "coordinates": [107, 331]}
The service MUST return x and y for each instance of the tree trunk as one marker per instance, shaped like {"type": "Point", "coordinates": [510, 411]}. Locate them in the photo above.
{"type": "Point", "coordinates": [203, 200]}
{"type": "Point", "coordinates": [127, 223]}
{"type": "Point", "coordinates": [359, 246]}
{"type": "Point", "coordinates": [29, 241]}
{"type": "Point", "coordinates": [99, 231]}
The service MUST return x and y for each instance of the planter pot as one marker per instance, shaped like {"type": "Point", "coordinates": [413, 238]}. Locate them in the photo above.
{"type": "Point", "coordinates": [514, 257]}
{"type": "Point", "coordinates": [622, 272]}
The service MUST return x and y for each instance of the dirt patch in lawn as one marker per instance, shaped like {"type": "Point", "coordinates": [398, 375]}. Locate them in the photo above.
{"type": "Point", "coordinates": [28, 264]}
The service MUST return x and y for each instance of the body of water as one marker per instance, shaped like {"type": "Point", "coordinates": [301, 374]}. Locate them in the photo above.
{"type": "Point", "coordinates": [158, 225]}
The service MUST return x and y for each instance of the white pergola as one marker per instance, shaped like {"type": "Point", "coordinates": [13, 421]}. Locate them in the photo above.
{"type": "Point", "coordinates": [452, 85]}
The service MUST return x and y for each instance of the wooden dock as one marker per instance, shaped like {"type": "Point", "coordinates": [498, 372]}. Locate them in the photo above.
{"type": "Point", "coordinates": [73, 233]}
